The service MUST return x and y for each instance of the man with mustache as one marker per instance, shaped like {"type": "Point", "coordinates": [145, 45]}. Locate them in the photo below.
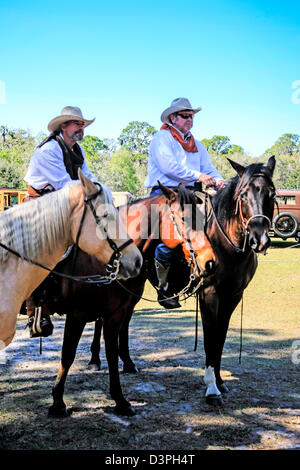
{"type": "Point", "coordinates": [176, 157]}
{"type": "Point", "coordinates": [56, 160]}
{"type": "Point", "coordinates": [54, 163]}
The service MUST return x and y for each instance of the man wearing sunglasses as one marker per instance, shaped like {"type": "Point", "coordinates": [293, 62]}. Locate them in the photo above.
{"type": "Point", "coordinates": [176, 157]}
{"type": "Point", "coordinates": [54, 163]}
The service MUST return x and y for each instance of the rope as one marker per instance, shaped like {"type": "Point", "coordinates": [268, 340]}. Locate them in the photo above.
{"type": "Point", "coordinates": [196, 322]}
{"type": "Point", "coordinates": [241, 330]}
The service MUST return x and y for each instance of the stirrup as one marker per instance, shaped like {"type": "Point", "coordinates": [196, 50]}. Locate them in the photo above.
{"type": "Point", "coordinates": [39, 325]}
{"type": "Point", "coordinates": [165, 301]}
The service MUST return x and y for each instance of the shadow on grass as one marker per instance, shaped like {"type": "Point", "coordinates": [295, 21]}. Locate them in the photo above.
{"type": "Point", "coordinates": [168, 393]}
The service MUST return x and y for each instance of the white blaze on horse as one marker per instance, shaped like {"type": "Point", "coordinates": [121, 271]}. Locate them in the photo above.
{"type": "Point", "coordinates": [41, 231]}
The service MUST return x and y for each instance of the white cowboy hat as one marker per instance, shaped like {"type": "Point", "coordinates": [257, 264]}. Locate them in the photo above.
{"type": "Point", "coordinates": [68, 113]}
{"type": "Point", "coordinates": [179, 104]}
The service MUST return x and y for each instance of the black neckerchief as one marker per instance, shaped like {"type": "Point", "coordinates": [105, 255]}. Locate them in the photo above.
{"type": "Point", "coordinates": [73, 158]}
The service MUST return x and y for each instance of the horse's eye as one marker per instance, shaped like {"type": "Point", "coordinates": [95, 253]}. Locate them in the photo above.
{"type": "Point", "coordinates": [105, 214]}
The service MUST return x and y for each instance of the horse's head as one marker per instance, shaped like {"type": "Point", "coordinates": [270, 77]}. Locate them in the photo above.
{"type": "Point", "coordinates": [99, 230]}
{"type": "Point", "coordinates": [254, 198]}
{"type": "Point", "coordinates": [183, 222]}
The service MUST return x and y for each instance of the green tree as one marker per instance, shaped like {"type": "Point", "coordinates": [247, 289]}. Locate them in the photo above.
{"type": "Point", "coordinates": [119, 173]}
{"type": "Point", "coordinates": [287, 144]}
{"type": "Point", "coordinates": [137, 136]}
{"type": "Point", "coordinates": [17, 145]}
{"type": "Point", "coordinates": [11, 176]}
{"type": "Point", "coordinates": [218, 144]}
{"type": "Point", "coordinates": [287, 172]}
{"type": "Point", "coordinates": [92, 147]}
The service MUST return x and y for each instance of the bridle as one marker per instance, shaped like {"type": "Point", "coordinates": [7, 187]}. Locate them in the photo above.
{"type": "Point", "coordinates": [192, 264]}
{"type": "Point", "coordinates": [112, 267]}
{"type": "Point", "coordinates": [244, 221]}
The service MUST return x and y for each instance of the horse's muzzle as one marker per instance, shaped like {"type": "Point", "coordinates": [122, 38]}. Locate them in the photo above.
{"type": "Point", "coordinates": [130, 268]}
{"type": "Point", "coordinates": [259, 242]}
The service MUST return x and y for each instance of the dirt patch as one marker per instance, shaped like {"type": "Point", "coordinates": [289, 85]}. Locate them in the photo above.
{"type": "Point", "coordinates": [260, 412]}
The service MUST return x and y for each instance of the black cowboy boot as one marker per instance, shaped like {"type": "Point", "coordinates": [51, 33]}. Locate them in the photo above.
{"type": "Point", "coordinates": [165, 297]}
{"type": "Point", "coordinates": [39, 322]}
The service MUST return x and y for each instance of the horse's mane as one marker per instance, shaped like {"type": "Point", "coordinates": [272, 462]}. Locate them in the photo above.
{"type": "Point", "coordinates": [224, 200]}
{"type": "Point", "coordinates": [35, 227]}
{"type": "Point", "coordinates": [107, 195]}
{"type": "Point", "coordinates": [185, 196]}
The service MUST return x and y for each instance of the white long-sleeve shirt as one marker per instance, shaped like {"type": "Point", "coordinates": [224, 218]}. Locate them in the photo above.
{"type": "Point", "coordinates": [47, 167]}
{"type": "Point", "coordinates": [170, 164]}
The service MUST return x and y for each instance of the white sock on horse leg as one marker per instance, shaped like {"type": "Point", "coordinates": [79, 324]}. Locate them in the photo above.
{"type": "Point", "coordinates": [210, 382]}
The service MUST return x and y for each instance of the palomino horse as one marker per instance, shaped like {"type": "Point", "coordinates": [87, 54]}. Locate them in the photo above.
{"type": "Point", "coordinates": [149, 220]}
{"type": "Point", "coordinates": [237, 231]}
{"type": "Point", "coordinates": [35, 235]}
{"type": "Point", "coordinates": [243, 214]}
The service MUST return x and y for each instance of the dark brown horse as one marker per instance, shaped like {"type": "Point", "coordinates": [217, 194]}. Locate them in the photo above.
{"type": "Point", "coordinates": [237, 231]}
{"type": "Point", "coordinates": [243, 214]}
{"type": "Point", "coordinates": [161, 217]}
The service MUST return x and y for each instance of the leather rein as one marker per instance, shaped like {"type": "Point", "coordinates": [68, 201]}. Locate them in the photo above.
{"type": "Point", "coordinates": [192, 263]}
{"type": "Point", "coordinates": [112, 267]}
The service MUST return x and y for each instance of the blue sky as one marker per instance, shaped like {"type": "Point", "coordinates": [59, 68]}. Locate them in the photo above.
{"type": "Point", "coordinates": [124, 61]}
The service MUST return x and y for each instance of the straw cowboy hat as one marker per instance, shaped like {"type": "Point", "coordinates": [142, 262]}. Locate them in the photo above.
{"type": "Point", "coordinates": [68, 113]}
{"type": "Point", "coordinates": [179, 104]}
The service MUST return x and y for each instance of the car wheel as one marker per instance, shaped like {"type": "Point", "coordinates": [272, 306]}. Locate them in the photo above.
{"type": "Point", "coordinates": [285, 225]}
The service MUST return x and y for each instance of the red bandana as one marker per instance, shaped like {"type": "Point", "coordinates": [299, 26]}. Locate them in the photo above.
{"type": "Point", "coordinates": [189, 146]}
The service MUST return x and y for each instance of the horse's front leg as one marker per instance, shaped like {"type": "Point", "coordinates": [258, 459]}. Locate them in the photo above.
{"type": "Point", "coordinates": [226, 307]}
{"type": "Point", "coordinates": [111, 327]}
{"type": "Point", "coordinates": [72, 334]}
{"type": "Point", "coordinates": [216, 312]}
{"type": "Point", "coordinates": [95, 362]}
{"type": "Point", "coordinates": [209, 305]}
{"type": "Point", "coordinates": [129, 366]}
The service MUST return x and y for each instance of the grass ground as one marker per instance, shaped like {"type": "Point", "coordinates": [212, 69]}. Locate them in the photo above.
{"type": "Point", "coordinates": [262, 410]}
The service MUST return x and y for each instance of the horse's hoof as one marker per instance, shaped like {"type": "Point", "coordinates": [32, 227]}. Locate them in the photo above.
{"type": "Point", "coordinates": [124, 411]}
{"type": "Point", "coordinates": [59, 412]}
{"type": "Point", "coordinates": [93, 366]}
{"type": "Point", "coordinates": [130, 369]}
{"type": "Point", "coordinates": [214, 400]}
{"type": "Point", "coordinates": [223, 388]}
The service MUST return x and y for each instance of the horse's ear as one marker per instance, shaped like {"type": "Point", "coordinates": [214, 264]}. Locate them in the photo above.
{"type": "Point", "coordinates": [271, 164]}
{"type": "Point", "coordinates": [168, 192]}
{"type": "Point", "coordinates": [240, 169]}
{"type": "Point", "coordinates": [88, 185]}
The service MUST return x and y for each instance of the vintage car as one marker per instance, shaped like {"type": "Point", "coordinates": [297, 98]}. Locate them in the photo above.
{"type": "Point", "coordinates": [286, 220]}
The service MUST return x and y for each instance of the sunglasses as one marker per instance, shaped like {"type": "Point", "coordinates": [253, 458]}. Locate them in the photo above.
{"type": "Point", "coordinates": [185, 115]}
